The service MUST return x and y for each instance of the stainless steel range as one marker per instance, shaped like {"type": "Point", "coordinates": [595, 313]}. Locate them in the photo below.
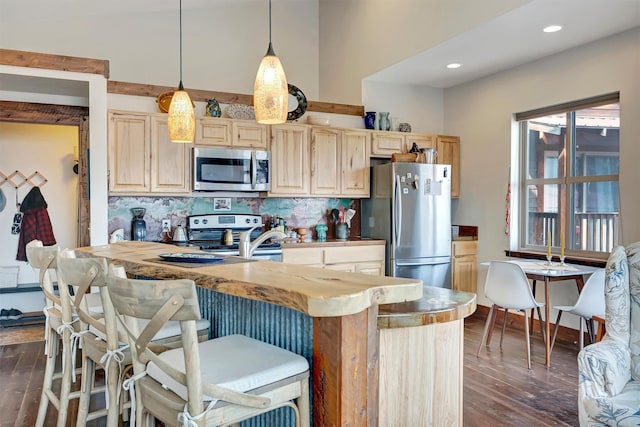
{"type": "Point", "coordinates": [209, 231]}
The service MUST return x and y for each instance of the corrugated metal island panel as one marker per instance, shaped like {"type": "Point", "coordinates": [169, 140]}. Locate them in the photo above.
{"type": "Point", "coordinates": [280, 326]}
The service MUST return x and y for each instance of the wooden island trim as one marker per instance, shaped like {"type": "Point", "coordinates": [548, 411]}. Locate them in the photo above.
{"type": "Point", "coordinates": [437, 305]}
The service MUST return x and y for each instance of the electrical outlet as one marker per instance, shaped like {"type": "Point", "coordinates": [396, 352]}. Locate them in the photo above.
{"type": "Point", "coordinates": [166, 225]}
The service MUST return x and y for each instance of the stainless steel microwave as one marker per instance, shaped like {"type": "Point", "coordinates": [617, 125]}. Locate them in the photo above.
{"type": "Point", "coordinates": [228, 169]}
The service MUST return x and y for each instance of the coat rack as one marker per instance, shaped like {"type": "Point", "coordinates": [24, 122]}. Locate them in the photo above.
{"type": "Point", "coordinates": [17, 179]}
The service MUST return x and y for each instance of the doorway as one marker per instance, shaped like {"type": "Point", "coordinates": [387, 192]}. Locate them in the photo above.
{"type": "Point", "coordinates": [77, 117]}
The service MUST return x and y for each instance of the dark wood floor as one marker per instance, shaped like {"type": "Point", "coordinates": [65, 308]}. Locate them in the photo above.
{"type": "Point", "coordinates": [499, 390]}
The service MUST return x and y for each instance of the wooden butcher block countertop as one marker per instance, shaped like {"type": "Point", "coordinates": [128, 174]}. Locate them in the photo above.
{"type": "Point", "coordinates": [313, 291]}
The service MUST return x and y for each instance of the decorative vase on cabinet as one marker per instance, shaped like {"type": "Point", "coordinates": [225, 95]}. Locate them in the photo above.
{"type": "Point", "coordinates": [384, 121]}
{"type": "Point", "coordinates": [370, 120]}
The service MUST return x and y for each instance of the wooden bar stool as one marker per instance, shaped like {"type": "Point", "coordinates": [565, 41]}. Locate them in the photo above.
{"type": "Point", "coordinates": [103, 341]}
{"type": "Point", "coordinates": [236, 376]}
{"type": "Point", "coordinates": [59, 327]}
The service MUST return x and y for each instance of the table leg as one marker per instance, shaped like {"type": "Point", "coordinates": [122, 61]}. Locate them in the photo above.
{"type": "Point", "coordinates": [533, 291]}
{"type": "Point", "coordinates": [547, 323]}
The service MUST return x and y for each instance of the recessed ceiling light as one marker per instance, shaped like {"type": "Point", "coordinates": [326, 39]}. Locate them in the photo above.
{"type": "Point", "coordinates": [552, 28]}
{"type": "Point", "coordinates": [454, 65]}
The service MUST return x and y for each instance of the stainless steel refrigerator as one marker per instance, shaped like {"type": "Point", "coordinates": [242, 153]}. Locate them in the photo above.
{"type": "Point", "coordinates": [410, 207]}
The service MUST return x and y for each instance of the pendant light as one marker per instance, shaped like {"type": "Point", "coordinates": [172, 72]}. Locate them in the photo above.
{"type": "Point", "coordinates": [182, 120]}
{"type": "Point", "coordinates": [270, 91]}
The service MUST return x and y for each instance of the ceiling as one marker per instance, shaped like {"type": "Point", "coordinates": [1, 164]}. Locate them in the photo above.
{"type": "Point", "coordinates": [514, 39]}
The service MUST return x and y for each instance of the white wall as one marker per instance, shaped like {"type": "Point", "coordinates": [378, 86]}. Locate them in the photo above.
{"type": "Point", "coordinates": [223, 40]}
{"type": "Point", "coordinates": [48, 149]}
{"type": "Point", "coordinates": [481, 111]}
{"type": "Point", "coordinates": [420, 106]}
{"type": "Point", "coordinates": [361, 37]}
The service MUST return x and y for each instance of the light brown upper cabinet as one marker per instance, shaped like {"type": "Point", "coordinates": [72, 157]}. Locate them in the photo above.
{"type": "Point", "coordinates": [384, 144]}
{"type": "Point", "coordinates": [449, 154]}
{"type": "Point", "coordinates": [355, 163]}
{"type": "Point", "coordinates": [338, 164]}
{"type": "Point", "coordinates": [218, 132]}
{"type": "Point", "coordinates": [142, 159]}
{"type": "Point", "coordinates": [289, 160]}
{"type": "Point", "coordinates": [169, 161]}
{"type": "Point", "coordinates": [325, 161]}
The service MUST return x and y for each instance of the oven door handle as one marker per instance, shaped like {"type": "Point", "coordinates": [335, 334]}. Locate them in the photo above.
{"type": "Point", "coordinates": [254, 167]}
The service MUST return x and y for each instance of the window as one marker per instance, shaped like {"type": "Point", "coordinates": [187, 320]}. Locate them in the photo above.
{"type": "Point", "coordinates": [569, 176]}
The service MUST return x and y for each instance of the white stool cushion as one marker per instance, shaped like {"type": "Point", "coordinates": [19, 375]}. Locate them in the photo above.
{"type": "Point", "coordinates": [234, 361]}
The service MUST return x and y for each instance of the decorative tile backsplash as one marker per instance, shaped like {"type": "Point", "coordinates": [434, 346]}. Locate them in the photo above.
{"type": "Point", "coordinates": [297, 212]}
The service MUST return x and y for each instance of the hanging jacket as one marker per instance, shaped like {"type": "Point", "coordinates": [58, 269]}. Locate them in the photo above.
{"type": "Point", "coordinates": [35, 223]}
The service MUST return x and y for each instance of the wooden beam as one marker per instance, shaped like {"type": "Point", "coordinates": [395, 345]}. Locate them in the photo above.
{"type": "Point", "coordinates": [47, 61]}
{"type": "Point", "coordinates": [326, 107]}
{"type": "Point", "coordinates": [138, 89]}
{"type": "Point", "coordinates": [25, 112]}
{"type": "Point", "coordinates": [20, 58]}
{"type": "Point", "coordinates": [345, 370]}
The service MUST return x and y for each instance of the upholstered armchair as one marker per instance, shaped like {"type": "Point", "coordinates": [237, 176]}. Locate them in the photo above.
{"type": "Point", "coordinates": [609, 371]}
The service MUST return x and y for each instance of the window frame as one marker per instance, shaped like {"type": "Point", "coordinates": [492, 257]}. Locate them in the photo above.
{"type": "Point", "coordinates": [565, 182]}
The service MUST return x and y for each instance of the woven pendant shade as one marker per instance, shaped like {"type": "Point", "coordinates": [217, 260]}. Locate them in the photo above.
{"type": "Point", "coordinates": [270, 91]}
{"type": "Point", "coordinates": [182, 119]}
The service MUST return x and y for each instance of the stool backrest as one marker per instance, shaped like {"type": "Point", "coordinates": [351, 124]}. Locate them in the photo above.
{"type": "Point", "coordinates": [44, 259]}
{"type": "Point", "coordinates": [160, 301]}
{"type": "Point", "coordinates": [81, 274]}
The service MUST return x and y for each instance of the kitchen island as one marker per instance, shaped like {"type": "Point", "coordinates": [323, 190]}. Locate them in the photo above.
{"type": "Point", "coordinates": [341, 309]}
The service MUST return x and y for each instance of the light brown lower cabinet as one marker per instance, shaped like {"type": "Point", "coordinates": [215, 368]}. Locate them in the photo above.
{"type": "Point", "coordinates": [366, 259]}
{"type": "Point", "coordinates": [464, 265]}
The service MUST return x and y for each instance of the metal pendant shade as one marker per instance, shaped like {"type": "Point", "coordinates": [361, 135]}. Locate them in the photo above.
{"type": "Point", "coordinates": [182, 120]}
{"type": "Point", "coordinates": [270, 91]}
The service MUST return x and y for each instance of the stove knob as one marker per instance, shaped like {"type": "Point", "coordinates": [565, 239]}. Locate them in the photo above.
{"type": "Point", "coordinates": [205, 221]}
{"type": "Point", "coordinates": [255, 220]}
{"type": "Point", "coordinates": [248, 221]}
{"type": "Point", "coordinates": [196, 221]}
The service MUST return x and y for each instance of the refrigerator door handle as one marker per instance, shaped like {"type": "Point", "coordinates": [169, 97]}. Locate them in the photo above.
{"type": "Point", "coordinates": [398, 207]}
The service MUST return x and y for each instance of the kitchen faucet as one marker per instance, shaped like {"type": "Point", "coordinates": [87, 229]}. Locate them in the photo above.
{"type": "Point", "coordinates": [247, 247]}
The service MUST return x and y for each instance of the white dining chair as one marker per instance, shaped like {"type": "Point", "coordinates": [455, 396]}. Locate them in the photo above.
{"type": "Point", "coordinates": [590, 303]}
{"type": "Point", "coordinates": [508, 288]}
